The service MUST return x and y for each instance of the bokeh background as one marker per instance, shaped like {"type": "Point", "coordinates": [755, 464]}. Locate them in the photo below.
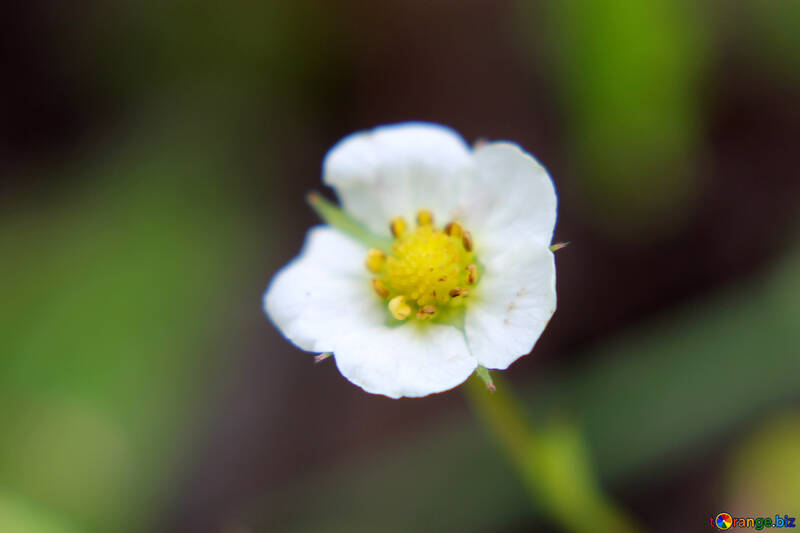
{"type": "Point", "coordinates": [154, 159]}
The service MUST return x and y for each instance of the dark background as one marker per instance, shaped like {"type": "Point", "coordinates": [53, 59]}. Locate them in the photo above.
{"type": "Point", "coordinates": [153, 165]}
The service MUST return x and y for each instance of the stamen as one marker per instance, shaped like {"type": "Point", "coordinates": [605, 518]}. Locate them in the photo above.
{"type": "Point", "coordinates": [424, 218]}
{"type": "Point", "coordinates": [425, 312]}
{"type": "Point", "coordinates": [426, 270]}
{"type": "Point", "coordinates": [454, 229]}
{"type": "Point", "coordinates": [399, 308]}
{"type": "Point", "coordinates": [398, 226]}
{"type": "Point", "coordinates": [459, 292]}
{"type": "Point", "coordinates": [379, 288]}
{"type": "Point", "coordinates": [375, 260]}
{"type": "Point", "coordinates": [466, 240]}
{"type": "Point", "coordinates": [472, 274]}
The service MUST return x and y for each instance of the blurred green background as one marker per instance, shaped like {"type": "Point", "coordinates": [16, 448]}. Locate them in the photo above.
{"type": "Point", "coordinates": [153, 164]}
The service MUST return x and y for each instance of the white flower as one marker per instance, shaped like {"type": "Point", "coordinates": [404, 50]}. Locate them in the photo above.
{"type": "Point", "coordinates": [466, 277]}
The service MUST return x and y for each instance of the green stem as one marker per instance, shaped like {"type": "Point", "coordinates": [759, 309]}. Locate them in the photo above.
{"type": "Point", "coordinates": [552, 462]}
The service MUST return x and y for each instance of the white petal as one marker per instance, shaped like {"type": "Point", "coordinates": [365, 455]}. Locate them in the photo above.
{"type": "Point", "coordinates": [405, 360]}
{"type": "Point", "coordinates": [322, 302]}
{"type": "Point", "coordinates": [514, 300]}
{"type": "Point", "coordinates": [318, 293]}
{"type": "Point", "coordinates": [397, 170]}
{"type": "Point", "coordinates": [510, 201]}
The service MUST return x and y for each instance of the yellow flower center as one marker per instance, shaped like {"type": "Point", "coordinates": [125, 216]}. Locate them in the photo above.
{"type": "Point", "coordinates": [427, 270]}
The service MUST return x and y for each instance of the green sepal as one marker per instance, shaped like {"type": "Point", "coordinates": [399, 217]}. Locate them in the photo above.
{"type": "Point", "coordinates": [334, 216]}
{"type": "Point", "coordinates": [483, 373]}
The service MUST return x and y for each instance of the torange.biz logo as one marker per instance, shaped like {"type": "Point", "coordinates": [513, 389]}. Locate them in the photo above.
{"type": "Point", "coordinates": [727, 521]}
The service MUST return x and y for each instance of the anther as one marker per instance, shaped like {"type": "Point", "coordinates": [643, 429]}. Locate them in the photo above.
{"type": "Point", "coordinates": [399, 308]}
{"type": "Point", "coordinates": [379, 288]}
{"type": "Point", "coordinates": [472, 274]}
{"type": "Point", "coordinates": [424, 218]}
{"type": "Point", "coordinates": [454, 229]}
{"type": "Point", "coordinates": [375, 260]}
{"type": "Point", "coordinates": [459, 292]}
{"type": "Point", "coordinates": [426, 312]}
{"type": "Point", "coordinates": [397, 226]}
{"type": "Point", "coordinates": [466, 240]}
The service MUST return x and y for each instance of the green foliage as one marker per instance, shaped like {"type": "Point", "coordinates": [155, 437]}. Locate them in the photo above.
{"type": "Point", "coordinates": [112, 300]}
{"type": "Point", "coordinates": [18, 516]}
{"type": "Point", "coordinates": [766, 33]}
{"type": "Point", "coordinates": [762, 475]}
{"type": "Point", "coordinates": [627, 76]}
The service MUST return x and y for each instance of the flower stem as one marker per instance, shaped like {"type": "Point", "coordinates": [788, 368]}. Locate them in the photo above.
{"type": "Point", "coordinates": [552, 462]}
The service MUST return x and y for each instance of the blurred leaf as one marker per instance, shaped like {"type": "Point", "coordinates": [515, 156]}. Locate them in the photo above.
{"type": "Point", "coordinates": [17, 516]}
{"type": "Point", "coordinates": [150, 49]}
{"type": "Point", "coordinates": [628, 76]}
{"type": "Point", "coordinates": [767, 34]}
{"type": "Point", "coordinates": [762, 477]}
{"type": "Point", "coordinates": [114, 297]}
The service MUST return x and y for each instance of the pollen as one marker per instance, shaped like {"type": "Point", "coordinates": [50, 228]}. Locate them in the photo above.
{"type": "Point", "coordinates": [424, 218]}
{"type": "Point", "coordinates": [454, 229]}
{"type": "Point", "coordinates": [397, 226]}
{"type": "Point", "coordinates": [426, 312]}
{"type": "Point", "coordinates": [458, 292]}
{"type": "Point", "coordinates": [399, 308]}
{"type": "Point", "coordinates": [375, 260]}
{"type": "Point", "coordinates": [379, 288]}
{"type": "Point", "coordinates": [472, 274]}
{"type": "Point", "coordinates": [427, 269]}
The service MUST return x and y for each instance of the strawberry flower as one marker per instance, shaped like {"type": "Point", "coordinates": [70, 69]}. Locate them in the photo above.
{"type": "Point", "coordinates": [438, 263]}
